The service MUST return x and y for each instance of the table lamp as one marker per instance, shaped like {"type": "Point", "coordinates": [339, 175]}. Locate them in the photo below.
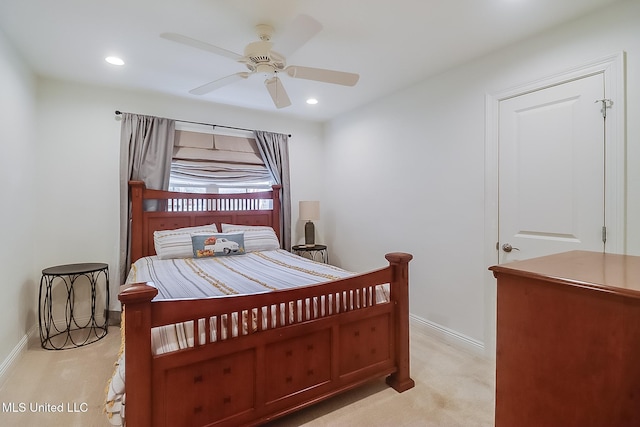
{"type": "Point", "coordinates": [309, 211]}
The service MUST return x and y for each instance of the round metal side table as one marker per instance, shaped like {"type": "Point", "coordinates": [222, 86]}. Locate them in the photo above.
{"type": "Point", "coordinates": [69, 331]}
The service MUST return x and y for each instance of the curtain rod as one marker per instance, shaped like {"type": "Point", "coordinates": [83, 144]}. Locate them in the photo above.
{"type": "Point", "coordinates": [118, 112]}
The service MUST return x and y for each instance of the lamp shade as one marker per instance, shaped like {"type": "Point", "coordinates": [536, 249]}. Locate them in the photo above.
{"type": "Point", "coordinates": [309, 210]}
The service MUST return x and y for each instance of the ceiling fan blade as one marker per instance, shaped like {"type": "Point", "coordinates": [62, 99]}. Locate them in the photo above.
{"type": "Point", "coordinates": [217, 84]}
{"type": "Point", "coordinates": [322, 75]}
{"type": "Point", "coordinates": [179, 38]}
{"type": "Point", "coordinates": [296, 34]}
{"type": "Point", "coordinates": [277, 92]}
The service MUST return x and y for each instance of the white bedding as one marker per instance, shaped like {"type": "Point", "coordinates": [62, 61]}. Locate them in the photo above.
{"type": "Point", "coordinates": [250, 273]}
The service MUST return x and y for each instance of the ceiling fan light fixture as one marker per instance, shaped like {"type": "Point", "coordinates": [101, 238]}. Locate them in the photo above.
{"type": "Point", "coordinates": [266, 69]}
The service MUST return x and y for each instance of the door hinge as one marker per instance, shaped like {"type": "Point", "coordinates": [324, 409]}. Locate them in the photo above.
{"type": "Point", "coordinates": [606, 103]}
{"type": "Point", "coordinates": [604, 234]}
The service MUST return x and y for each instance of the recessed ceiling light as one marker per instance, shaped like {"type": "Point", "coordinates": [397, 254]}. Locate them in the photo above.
{"type": "Point", "coordinates": [114, 60]}
{"type": "Point", "coordinates": [312, 101]}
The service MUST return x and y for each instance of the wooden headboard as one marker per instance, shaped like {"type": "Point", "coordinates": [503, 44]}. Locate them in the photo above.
{"type": "Point", "coordinates": [176, 210]}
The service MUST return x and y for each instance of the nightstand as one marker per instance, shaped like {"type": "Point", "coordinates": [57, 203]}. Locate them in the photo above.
{"type": "Point", "coordinates": [316, 252]}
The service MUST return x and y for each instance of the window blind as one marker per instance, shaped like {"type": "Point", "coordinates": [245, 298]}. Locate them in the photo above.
{"type": "Point", "coordinates": [206, 157]}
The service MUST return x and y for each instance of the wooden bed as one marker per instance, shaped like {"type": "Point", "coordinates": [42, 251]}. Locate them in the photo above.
{"type": "Point", "coordinates": [267, 371]}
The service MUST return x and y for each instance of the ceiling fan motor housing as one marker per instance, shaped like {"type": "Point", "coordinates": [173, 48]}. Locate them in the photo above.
{"type": "Point", "coordinates": [262, 59]}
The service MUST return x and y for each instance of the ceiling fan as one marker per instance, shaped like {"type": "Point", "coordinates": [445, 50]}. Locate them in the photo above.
{"type": "Point", "coordinates": [259, 58]}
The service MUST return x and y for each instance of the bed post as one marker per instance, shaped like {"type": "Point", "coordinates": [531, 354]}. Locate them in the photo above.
{"type": "Point", "coordinates": [136, 189]}
{"type": "Point", "coordinates": [136, 300]}
{"type": "Point", "coordinates": [399, 262]}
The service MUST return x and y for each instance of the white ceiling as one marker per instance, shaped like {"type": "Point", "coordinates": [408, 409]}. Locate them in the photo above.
{"type": "Point", "coordinates": [390, 43]}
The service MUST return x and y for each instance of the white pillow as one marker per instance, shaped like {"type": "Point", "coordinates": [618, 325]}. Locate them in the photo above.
{"type": "Point", "coordinates": [177, 243]}
{"type": "Point", "coordinates": [256, 237]}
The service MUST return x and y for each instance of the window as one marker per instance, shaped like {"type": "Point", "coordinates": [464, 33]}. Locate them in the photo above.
{"type": "Point", "coordinates": [223, 163]}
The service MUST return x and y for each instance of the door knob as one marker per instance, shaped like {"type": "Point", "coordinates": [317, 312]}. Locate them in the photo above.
{"type": "Point", "coordinates": [508, 248]}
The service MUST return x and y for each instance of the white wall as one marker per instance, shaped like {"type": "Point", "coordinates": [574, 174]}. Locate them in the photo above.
{"type": "Point", "coordinates": [18, 171]}
{"type": "Point", "coordinates": [403, 173]}
{"type": "Point", "coordinates": [79, 144]}
{"type": "Point", "coordinates": [407, 172]}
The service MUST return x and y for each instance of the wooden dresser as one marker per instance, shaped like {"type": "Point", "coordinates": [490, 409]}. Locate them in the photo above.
{"type": "Point", "coordinates": [568, 341]}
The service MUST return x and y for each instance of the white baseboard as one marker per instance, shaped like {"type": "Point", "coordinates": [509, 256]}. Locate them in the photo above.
{"type": "Point", "coordinates": [18, 350]}
{"type": "Point", "coordinates": [449, 335]}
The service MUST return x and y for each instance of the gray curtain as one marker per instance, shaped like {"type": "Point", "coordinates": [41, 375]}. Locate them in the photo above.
{"type": "Point", "coordinates": [274, 148]}
{"type": "Point", "coordinates": [146, 148]}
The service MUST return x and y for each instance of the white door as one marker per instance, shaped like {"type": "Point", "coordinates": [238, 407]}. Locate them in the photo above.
{"type": "Point", "coordinates": [551, 186]}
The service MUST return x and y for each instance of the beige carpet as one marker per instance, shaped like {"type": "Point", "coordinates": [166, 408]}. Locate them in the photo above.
{"type": "Point", "coordinates": [73, 380]}
{"type": "Point", "coordinates": [453, 388]}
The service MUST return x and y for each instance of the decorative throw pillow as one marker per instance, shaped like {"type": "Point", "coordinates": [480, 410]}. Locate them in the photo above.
{"type": "Point", "coordinates": [256, 237]}
{"type": "Point", "coordinates": [177, 243]}
{"type": "Point", "coordinates": [219, 244]}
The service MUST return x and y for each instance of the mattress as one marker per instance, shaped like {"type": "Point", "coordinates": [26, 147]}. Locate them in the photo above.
{"type": "Point", "coordinates": [251, 273]}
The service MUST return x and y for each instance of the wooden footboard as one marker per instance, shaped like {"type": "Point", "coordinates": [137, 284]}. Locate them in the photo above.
{"type": "Point", "coordinates": [293, 348]}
